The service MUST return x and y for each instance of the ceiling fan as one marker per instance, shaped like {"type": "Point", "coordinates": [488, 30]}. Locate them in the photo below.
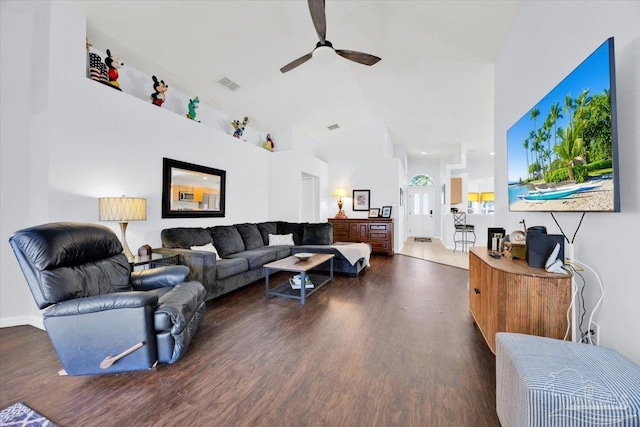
{"type": "Point", "coordinates": [316, 7]}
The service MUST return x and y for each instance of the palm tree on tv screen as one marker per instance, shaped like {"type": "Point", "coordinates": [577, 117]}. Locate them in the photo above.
{"type": "Point", "coordinates": [569, 148]}
{"type": "Point", "coordinates": [554, 115]}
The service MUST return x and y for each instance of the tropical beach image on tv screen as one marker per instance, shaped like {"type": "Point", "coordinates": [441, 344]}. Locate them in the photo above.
{"type": "Point", "coordinates": [562, 154]}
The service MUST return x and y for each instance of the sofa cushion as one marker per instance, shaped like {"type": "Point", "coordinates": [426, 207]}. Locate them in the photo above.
{"type": "Point", "coordinates": [317, 234]}
{"type": "Point", "coordinates": [227, 240]}
{"type": "Point", "coordinates": [230, 267]}
{"type": "Point", "coordinates": [185, 237]}
{"type": "Point", "coordinates": [207, 248]}
{"type": "Point", "coordinates": [250, 236]}
{"type": "Point", "coordinates": [256, 257]}
{"type": "Point", "coordinates": [281, 240]}
{"type": "Point", "coordinates": [292, 227]}
{"type": "Point", "coordinates": [267, 228]}
{"type": "Point", "coordinates": [281, 251]}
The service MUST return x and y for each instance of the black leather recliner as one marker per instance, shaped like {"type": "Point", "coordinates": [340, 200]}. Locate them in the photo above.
{"type": "Point", "coordinates": [98, 309]}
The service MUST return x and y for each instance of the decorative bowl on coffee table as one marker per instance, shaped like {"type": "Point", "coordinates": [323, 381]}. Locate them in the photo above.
{"type": "Point", "coordinates": [303, 256]}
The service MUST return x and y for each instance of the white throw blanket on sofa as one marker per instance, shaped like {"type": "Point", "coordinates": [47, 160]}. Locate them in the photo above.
{"type": "Point", "coordinates": [353, 251]}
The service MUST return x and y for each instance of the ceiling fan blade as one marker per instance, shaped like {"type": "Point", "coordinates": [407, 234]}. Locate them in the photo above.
{"type": "Point", "coordinates": [359, 57]}
{"type": "Point", "coordinates": [316, 7]}
{"type": "Point", "coordinates": [290, 66]}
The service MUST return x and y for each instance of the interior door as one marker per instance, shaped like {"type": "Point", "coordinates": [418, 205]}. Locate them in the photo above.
{"type": "Point", "coordinates": [308, 199]}
{"type": "Point", "coordinates": [420, 206]}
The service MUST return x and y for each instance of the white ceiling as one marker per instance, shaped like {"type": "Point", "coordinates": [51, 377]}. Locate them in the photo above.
{"type": "Point", "coordinates": [433, 88]}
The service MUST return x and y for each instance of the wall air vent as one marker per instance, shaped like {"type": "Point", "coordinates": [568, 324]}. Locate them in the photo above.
{"type": "Point", "coordinates": [333, 127]}
{"type": "Point", "coordinates": [228, 83]}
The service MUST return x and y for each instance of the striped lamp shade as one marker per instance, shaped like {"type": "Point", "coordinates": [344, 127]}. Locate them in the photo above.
{"type": "Point", "coordinates": [122, 209]}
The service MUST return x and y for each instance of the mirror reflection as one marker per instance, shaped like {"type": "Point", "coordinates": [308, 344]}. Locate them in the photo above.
{"type": "Point", "coordinates": [192, 190]}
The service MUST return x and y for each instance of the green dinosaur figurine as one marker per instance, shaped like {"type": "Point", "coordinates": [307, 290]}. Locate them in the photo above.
{"type": "Point", "coordinates": [193, 105]}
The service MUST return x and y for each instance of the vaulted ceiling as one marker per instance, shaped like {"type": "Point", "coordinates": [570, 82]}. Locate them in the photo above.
{"type": "Point", "coordinates": [433, 88]}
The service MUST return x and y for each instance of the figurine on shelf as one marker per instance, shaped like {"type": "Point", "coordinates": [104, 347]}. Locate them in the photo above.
{"type": "Point", "coordinates": [193, 105]}
{"type": "Point", "coordinates": [113, 63]}
{"type": "Point", "coordinates": [160, 88]}
{"type": "Point", "coordinates": [97, 68]}
{"type": "Point", "coordinates": [268, 144]}
{"type": "Point", "coordinates": [239, 127]}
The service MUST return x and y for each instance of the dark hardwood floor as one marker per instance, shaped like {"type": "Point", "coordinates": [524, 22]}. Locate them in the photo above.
{"type": "Point", "coordinates": [394, 347]}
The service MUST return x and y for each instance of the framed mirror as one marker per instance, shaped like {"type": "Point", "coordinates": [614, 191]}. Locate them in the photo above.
{"type": "Point", "coordinates": [192, 191]}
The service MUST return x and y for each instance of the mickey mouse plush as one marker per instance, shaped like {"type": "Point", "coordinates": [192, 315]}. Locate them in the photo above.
{"type": "Point", "coordinates": [160, 88]}
{"type": "Point", "coordinates": [113, 63]}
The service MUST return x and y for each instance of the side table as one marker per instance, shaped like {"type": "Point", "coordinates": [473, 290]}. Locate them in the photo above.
{"type": "Point", "coordinates": [153, 261]}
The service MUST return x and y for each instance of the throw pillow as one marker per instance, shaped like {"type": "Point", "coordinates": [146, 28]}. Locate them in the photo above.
{"type": "Point", "coordinates": [206, 248]}
{"type": "Point", "coordinates": [281, 239]}
{"type": "Point", "coordinates": [317, 234]}
{"type": "Point", "coordinates": [291, 227]}
{"type": "Point", "coordinates": [250, 236]}
{"type": "Point", "coordinates": [267, 228]}
{"type": "Point", "coordinates": [184, 237]}
{"type": "Point", "coordinates": [227, 240]}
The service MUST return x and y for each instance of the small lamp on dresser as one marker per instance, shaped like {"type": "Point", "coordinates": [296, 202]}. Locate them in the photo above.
{"type": "Point", "coordinates": [123, 209]}
{"type": "Point", "coordinates": [340, 193]}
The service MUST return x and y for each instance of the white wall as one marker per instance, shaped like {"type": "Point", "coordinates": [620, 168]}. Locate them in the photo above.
{"type": "Point", "coordinates": [285, 184]}
{"type": "Point", "coordinates": [548, 40]}
{"type": "Point", "coordinates": [361, 159]}
{"type": "Point", "coordinates": [67, 140]}
{"type": "Point", "coordinates": [21, 155]}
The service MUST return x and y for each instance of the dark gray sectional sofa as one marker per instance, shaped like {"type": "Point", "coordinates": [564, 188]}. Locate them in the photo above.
{"type": "Point", "coordinates": [244, 249]}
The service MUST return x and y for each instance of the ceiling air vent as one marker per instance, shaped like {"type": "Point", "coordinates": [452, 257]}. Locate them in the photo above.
{"type": "Point", "coordinates": [333, 127]}
{"type": "Point", "coordinates": [228, 83]}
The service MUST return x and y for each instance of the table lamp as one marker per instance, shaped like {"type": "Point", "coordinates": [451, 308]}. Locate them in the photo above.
{"type": "Point", "coordinates": [340, 193]}
{"type": "Point", "coordinates": [123, 209]}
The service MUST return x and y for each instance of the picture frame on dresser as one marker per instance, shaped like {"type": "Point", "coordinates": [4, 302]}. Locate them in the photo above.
{"type": "Point", "coordinates": [385, 212]}
{"type": "Point", "coordinates": [361, 200]}
{"type": "Point", "coordinates": [374, 212]}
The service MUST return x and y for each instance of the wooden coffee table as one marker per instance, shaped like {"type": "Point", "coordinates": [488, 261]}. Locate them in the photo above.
{"type": "Point", "coordinates": [295, 265]}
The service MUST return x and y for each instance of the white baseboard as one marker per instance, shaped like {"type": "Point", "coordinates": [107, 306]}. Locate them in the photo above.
{"type": "Point", "coordinates": [35, 321]}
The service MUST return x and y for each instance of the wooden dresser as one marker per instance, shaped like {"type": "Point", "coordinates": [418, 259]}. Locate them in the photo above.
{"type": "Point", "coordinates": [509, 296]}
{"type": "Point", "coordinates": [378, 232]}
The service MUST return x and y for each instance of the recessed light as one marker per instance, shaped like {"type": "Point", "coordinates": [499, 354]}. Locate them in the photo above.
{"type": "Point", "coordinates": [492, 153]}
{"type": "Point", "coordinates": [423, 152]}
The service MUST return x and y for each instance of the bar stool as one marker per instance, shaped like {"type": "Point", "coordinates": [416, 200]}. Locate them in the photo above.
{"type": "Point", "coordinates": [461, 227]}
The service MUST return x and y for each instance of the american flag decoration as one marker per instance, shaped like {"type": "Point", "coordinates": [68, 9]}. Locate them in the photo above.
{"type": "Point", "coordinates": [97, 69]}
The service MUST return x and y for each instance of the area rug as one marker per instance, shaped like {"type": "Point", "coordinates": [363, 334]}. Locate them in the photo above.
{"type": "Point", "coordinates": [422, 239]}
{"type": "Point", "coordinates": [20, 415]}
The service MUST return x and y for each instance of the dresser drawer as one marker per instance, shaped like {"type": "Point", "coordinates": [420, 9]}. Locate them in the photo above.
{"type": "Point", "coordinates": [378, 227]}
{"type": "Point", "coordinates": [379, 246]}
{"type": "Point", "coordinates": [378, 235]}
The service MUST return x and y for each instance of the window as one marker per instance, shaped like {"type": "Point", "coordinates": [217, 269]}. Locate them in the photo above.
{"type": "Point", "coordinates": [420, 180]}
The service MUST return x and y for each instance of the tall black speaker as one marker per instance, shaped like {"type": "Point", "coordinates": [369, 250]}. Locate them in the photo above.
{"type": "Point", "coordinates": [540, 246]}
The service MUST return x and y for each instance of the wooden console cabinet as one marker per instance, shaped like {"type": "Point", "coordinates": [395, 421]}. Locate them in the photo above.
{"type": "Point", "coordinates": [377, 232]}
{"type": "Point", "coordinates": [509, 296]}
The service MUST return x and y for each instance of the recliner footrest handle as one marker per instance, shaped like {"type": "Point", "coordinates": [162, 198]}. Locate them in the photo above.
{"type": "Point", "coordinates": [110, 360]}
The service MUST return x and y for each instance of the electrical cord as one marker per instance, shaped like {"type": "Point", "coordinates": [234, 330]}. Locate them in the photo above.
{"type": "Point", "coordinates": [573, 300]}
{"type": "Point", "coordinates": [595, 309]}
{"type": "Point", "coordinates": [574, 233]}
{"type": "Point", "coordinates": [583, 310]}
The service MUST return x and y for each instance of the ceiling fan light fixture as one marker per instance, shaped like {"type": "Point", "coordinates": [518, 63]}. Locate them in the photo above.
{"type": "Point", "coordinates": [324, 54]}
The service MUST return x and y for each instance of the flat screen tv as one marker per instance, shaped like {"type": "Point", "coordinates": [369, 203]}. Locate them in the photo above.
{"type": "Point", "coordinates": [563, 154]}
